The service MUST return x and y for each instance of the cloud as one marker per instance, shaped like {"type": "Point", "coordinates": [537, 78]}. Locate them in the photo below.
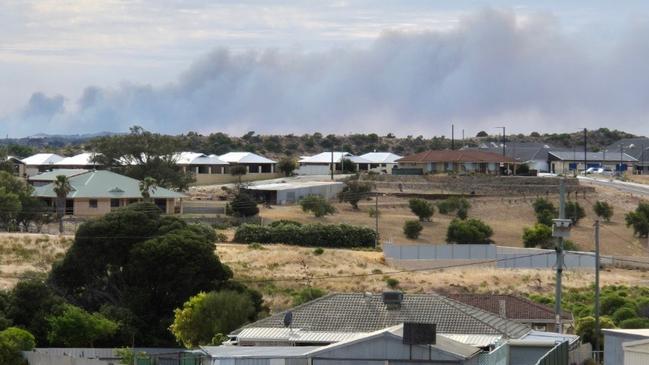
{"type": "Point", "coordinates": [494, 68]}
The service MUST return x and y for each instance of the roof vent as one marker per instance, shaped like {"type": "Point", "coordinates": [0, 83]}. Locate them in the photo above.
{"type": "Point", "coordinates": [392, 299]}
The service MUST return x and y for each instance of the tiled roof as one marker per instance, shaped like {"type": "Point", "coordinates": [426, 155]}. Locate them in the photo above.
{"type": "Point", "coordinates": [358, 312]}
{"type": "Point", "coordinates": [516, 308]}
{"type": "Point", "coordinates": [455, 156]}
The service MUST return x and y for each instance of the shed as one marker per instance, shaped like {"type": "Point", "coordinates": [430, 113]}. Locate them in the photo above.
{"type": "Point", "coordinates": [636, 352]}
{"type": "Point", "coordinates": [614, 340]}
{"type": "Point", "coordinates": [290, 192]}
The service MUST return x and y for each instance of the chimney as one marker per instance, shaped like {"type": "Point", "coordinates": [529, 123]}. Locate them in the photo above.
{"type": "Point", "coordinates": [392, 299]}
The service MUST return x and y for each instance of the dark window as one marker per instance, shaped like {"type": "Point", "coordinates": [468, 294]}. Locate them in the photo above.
{"type": "Point", "coordinates": [92, 203]}
{"type": "Point", "coordinates": [114, 203]}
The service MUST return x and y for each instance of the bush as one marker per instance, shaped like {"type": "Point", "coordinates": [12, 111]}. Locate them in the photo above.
{"type": "Point", "coordinates": [545, 211]}
{"type": "Point", "coordinates": [422, 209]}
{"type": "Point", "coordinates": [639, 220]}
{"type": "Point", "coordinates": [354, 191]}
{"type": "Point", "coordinates": [624, 313]}
{"type": "Point", "coordinates": [12, 341]}
{"type": "Point", "coordinates": [306, 295]}
{"type": "Point", "coordinates": [318, 251]}
{"type": "Point", "coordinates": [603, 210]}
{"type": "Point", "coordinates": [468, 231]}
{"type": "Point", "coordinates": [635, 323]}
{"type": "Point", "coordinates": [574, 212]}
{"type": "Point", "coordinates": [317, 205]}
{"type": "Point", "coordinates": [610, 303]}
{"type": "Point", "coordinates": [412, 229]}
{"type": "Point", "coordinates": [392, 283]}
{"type": "Point", "coordinates": [77, 328]}
{"type": "Point", "coordinates": [243, 205]}
{"type": "Point", "coordinates": [462, 213]}
{"type": "Point", "coordinates": [569, 245]}
{"type": "Point", "coordinates": [373, 212]}
{"type": "Point", "coordinates": [585, 328]}
{"type": "Point", "coordinates": [453, 204]}
{"type": "Point", "coordinates": [314, 235]}
{"type": "Point", "coordinates": [538, 236]}
{"type": "Point", "coordinates": [221, 237]}
{"type": "Point", "coordinates": [284, 221]}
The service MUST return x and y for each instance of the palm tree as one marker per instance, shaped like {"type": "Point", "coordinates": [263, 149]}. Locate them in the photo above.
{"type": "Point", "coordinates": [62, 188]}
{"type": "Point", "coordinates": [148, 186]}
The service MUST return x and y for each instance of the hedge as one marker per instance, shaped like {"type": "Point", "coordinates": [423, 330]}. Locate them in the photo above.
{"type": "Point", "coordinates": [316, 235]}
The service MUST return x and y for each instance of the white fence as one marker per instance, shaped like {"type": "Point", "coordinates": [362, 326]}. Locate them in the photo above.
{"type": "Point", "coordinates": [39, 358]}
{"type": "Point", "coordinates": [433, 255]}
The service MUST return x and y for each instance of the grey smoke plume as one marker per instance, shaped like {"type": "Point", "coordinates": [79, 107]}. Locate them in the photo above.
{"type": "Point", "coordinates": [493, 69]}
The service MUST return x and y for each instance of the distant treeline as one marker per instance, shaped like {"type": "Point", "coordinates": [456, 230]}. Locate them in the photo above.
{"type": "Point", "coordinates": [306, 144]}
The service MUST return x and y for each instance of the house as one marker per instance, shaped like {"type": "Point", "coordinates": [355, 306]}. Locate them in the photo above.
{"type": "Point", "coordinates": [565, 162]}
{"type": "Point", "coordinates": [637, 148]}
{"type": "Point", "coordinates": [321, 163]}
{"type": "Point", "coordinates": [255, 164]}
{"type": "Point", "coordinates": [47, 177]}
{"type": "Point", "coordinates": [40, 162]}
{"type": "Point", "coordinates": [615, 339]}
{"type": "Point", "coordinates": [534, 155]}
{"type": "Point", "coordinates": [17, 166]}
{"type": "Point", "coordinates": [290, 192]}
{"type": "Point", "coordinates": [457, 161]}
{"type": "Point", "coordinates": [381, 162]}
{"type": "Point", "coordinates": [83, 160]}
{"type": "Point", "coordinates": [517, 309]}
{"type": "Point", "coordinates": [97, 192]}
{"type": "Point", "coordinates": [206, 169]}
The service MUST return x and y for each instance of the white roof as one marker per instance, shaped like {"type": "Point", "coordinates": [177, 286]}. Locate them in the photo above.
{"type": "Point", "coordinates": [550, 336]}
{"type": "Point", "coordinates": [636, 332]}
{"type": "Point", "coordinates": [42, 159]}
{"type": "Point", "coordinates": [195, 158]}
{"type": "Point", "coordinates": [325, 157]}
{"type": "Point", "coordinates": [473, 340]}
{"type": "Point", "coordinates": [225, 351]}
{"type": "Point", "coordinates": [82, 159]}
{"type": "Point", "coordinates": [637, 346]}
{"type": "Point", "coordinates": [244, 157]}
{"type": "Point", "coordinates": [294, 335]}
{"type": "Point", "coordinates": [293, 185]}
{"type": "Point", "coordinates": [381, 157]}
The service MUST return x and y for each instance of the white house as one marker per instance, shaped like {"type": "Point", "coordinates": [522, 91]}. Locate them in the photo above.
{"type": "Point", "coordinates": [320, 164]}
{"type": "Point", "coordinates": [83, 160]}
{"type": "Point", "coordinates": [40, 162]}
{"type": "Point", "coordinates": [381, 162]}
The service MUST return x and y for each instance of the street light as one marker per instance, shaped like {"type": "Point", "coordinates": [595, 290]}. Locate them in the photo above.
{"type": "Point", "coordinates": [504, 142]}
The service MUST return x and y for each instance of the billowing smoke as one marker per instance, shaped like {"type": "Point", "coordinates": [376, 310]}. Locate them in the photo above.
{"type": "Point", "coordinates": [493, 69]}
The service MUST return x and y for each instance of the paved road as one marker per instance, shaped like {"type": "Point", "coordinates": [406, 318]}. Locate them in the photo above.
{"type": "Point", "coordinates": [626, 187]}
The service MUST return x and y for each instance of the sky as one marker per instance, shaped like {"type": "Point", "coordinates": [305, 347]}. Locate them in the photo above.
{"type": "Point", "coordinates": [405, 67]}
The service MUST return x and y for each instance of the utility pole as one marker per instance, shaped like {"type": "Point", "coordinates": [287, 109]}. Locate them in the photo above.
{"type": "Point", "coordinates": [504, 141]}
{"type": "Point", "coordinates": [560, 230]}
{"type": "Point", "coordinates": [452, 137]}
{"type": "Point", "coordinates": [597, 324]}
{"type": "Point", "coordinates": [463, 144]}
{"type": "Point", "coordinates": [621, 153]}
{"type": "Point", "coordinates": [585, 150]}
{"type": "Point", "coordinates": [376, 218]}
{"type": "Point", "coordinates": [332, 162]}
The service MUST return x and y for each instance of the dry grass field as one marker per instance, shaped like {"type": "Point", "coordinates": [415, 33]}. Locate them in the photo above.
{"type": "Point", "coordinates": [25, 252]}
{"type": "Point", "coordinates": [507, 217]}
{"type": "Point", "coordinates": [278, 270]}
{"type": "Point", "coordinates": [640, 179]}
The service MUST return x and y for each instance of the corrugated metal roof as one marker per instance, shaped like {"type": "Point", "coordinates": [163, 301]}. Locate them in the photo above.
{"type": "Point", "coordinates": [325, 157]}
{"type": "Point", "coordinates": [294, 335]}
{"type": "Point", "coordinates": [51, 175]}
{"type": "Point", "coordinates": [635, 332]}
{"type": "Point", "coordinates": [195, 158]}
{"type": "Point", "coordinates": [293, 185]}
{"type": "Point", "coordinates": [82, 159]}
{"type": "Point", "coordinates": [42, 159]}
{"type": "Point", "coordinates": [224, 352]}
{"type": "Point", "coordinates": [358, 312]}
{"type": "Point", "coordinates": [104, 184]}
{"type": "Point", "coordinates": [610, 156]}
{"type": "Point", "coordinates": [244, 157]}
{"type": "Point", "coordinates": [550, 336]}
{"type": "Point", "coordinates": [473, 340]}
{"type": "Point", "coordinates": [381, 157]}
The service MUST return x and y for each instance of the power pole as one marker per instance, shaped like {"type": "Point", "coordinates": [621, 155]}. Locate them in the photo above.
{"type": "Point", "coordinates": [376, 219]}
{"type": "Point", "coordinates": [332, 162]}
{"type": "Point", "coordinates": [597, 324]}
{"type": "Point", "coordinates": [561, 228]}
{"type": "Point", "coordinates": [585, 150]}
{"type": "Point", "coordinates": [463, 137]}
{"type": "Point", "coordinates": [452, 136]}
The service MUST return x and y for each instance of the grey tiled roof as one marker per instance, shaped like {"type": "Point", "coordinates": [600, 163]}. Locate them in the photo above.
{"type": "Point", "coordinates": [358, 312]}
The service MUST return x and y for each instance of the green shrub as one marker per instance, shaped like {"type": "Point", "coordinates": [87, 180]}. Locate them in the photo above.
{"type": "Point", "coordinates": [468, 231]}
{"type": "Point", "coordinates": [255, 246]}
{"type": "Point", "coordinates": [569, 245]}
{"type": "Point", "coordinates": [412, 229]}
{"type": "Point", "coordinates": [221, 237]}
{"type": "Point", "coordinates": [574, 212]}
{"type": "Point", "coordinates": [545, 211]}
{"type": "Point", "coordinates": [639, 220]}
{"type": "Point", "coordinates": [538, 236]}
{"type": "Point", "coordinates": [422, 209]}
{"type": "Point", "coordinates": [307, 294]}
{"type": "Point", "coordinates": [318, 251]}
{"type": "Point", "coordinates": [603, 210]}
{"type": "Point", "coordinates": [13, 340]}
{"type": "Point", "coordinates": [635, 323]}
{"type": "Point", "coordinates": [453, 204]}
{"type": "Point", "coordinates": [373, 212]}
{"type": "Point", "coordinates": [284, 221]}
{"type": "Point", "coordinates": [354, 191]}
{"type": "Point", "coordinates": [610, 303]}
{"type": "Point", "coordinates": [243, 205]}
{"type": "Point", "coordinates": [462, 213]}
{"type": "Point", "coordinates": [314, 235]}
{"type": "Point", "coordinates": [317, 205]}
{"type": "Point", "coordinates": [585, 328]}
{"type": "Point", "coordinates": [624, 313]}
{"type": "Point", "coordinates": [392, 283]}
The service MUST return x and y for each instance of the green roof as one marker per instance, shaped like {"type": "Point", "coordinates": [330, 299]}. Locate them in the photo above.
{"type": "Point", "coordinates": [51, 175]}
{"type": "Point", "coordinates": [104, 184]}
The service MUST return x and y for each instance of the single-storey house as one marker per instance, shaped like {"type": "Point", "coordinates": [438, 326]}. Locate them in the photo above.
{"type": "Point", "coordinates": [321, 163]}
{"type": "Point", "coordinates": [290, 192]}
{"type": "Point", "coordinates": [83, 160]}
{"type": "Point", "coordinates": [517, 309]}
{"type": "Point", "coordinates": [565, 162]}
{"type": "Point", "coordinates": [97, 192]}
{"type": "Point", "coordinates": [40, 162]}
{"type": "Point", "coordinates": [458, 161]}
{"type": "Point", "coordinates": [254, 163]}
{"type": "Point", "coordinates": [381, 162]}
{"type": "Point", "coordinates": [534, 155]}
{"type": "Point", "coordinates": [637, 148]}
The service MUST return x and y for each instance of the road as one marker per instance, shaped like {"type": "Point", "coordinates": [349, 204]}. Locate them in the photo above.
{"type": "Point", "coordinates": [626, 187]}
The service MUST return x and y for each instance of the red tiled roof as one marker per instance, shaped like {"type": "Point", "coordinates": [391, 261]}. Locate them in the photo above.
{"type": "Point", "coordinates": [516, 308]}
{"type": "Point", "coordinates": [456, 156]}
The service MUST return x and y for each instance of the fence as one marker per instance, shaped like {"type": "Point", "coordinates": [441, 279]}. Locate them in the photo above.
{"type": "Point", "coordinates": [109, 356]}
{"type": "Point", "coordinates": [432, 255]}
{"type": "Point", "coordinates": [557, 356]}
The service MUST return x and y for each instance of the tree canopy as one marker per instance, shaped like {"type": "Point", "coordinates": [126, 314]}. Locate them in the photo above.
{"type": "Point", "coordinates": [354, 191]}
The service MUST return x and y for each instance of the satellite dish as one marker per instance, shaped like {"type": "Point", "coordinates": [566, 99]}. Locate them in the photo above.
{"type": "Point", "coordinates": [288, 319]}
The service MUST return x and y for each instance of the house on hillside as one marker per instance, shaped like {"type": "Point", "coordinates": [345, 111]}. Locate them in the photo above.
{"type": "Point", "coordinates": [83, 160]}
{"type": "Point", "coordinates": [40, 162]}
{"type": "Point", "coordinates": [567, 162]}
{"type": "Point", "coordinates": [381, 162]}
{"type": "Point", "coordinates": [457, 161]}
{"type": "Point", "coordinates": [321, 163]}
{"type": "Point", "coordinates": [97, 192]}
{"type": "Point", "coordinates": [206, 169]}
{"type": "Point", "coordinates": [534, 155]}
{"type": "Point", "coordinates": [637, 148]}
{"type": "Point", "coordinates": [522, 310]}
{"type": "Point", "coordinates": [17, 166]}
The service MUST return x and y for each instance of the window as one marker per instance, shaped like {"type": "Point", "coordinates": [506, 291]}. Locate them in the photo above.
{"type": "Point", "coordinates": [92, 203]}
{"type": "Point", "coordinates": [114, 203]}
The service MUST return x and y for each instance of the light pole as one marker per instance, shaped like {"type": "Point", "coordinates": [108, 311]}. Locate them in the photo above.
{"type": "Point", "coordinates": [504, 142]}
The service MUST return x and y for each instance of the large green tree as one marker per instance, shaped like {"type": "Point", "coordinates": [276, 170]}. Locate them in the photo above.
{"type": "Point", "coordinates": [354, 191]}
{"type": "Point", "coordinates": [74, 327]}
{"type": "Point", "coordinates": [140, 154]}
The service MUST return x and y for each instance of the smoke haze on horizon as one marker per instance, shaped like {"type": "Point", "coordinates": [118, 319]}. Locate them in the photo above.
{"type": "Point", "coordinates": [493, 68]}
